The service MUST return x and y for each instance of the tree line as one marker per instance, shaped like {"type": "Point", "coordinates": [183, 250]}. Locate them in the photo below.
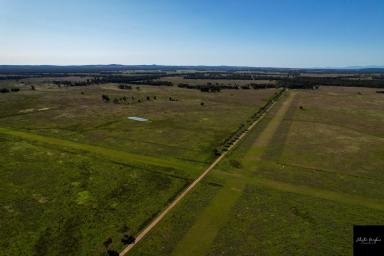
{"type": "Point", "coordinates": [308, 82]}
{"type": "Point", "coordinates": [232, 76]}
{"type": "Point", "coordinates": [67, 83]}
{"type": "Point", "coordinates": [13, 77]}
{"type": "Point", "coordinates": [139, 80]}
{"type": "Point", "coordinates": [228, 142]}
{"type": "Point", "coordinates": [127, 99]}
{"type": "Point", "coordinates": [125, 79]}
{"type": "Point", "coordinates": [8, 90]}
{"type": "Point", "coordinates": [293, 80]}
{"type": "Point", "coordinates": [153, 83]}
{"type": "Point", "coordinates": [210, 87]}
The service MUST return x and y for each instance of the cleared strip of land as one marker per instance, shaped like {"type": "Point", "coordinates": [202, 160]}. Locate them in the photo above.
{"type": "Point", "coordinates": [255, 152]}
{"type": "Point", "coordinates": [199, 237]}
{"type": "Point", "coordinates": [253, 157]}
{"type": "Point", "coordinates": [310, 191]}
{"type": "Point", "coordinates": [117, 155]}
{"type": "Point", "coordinates": [172, 205]}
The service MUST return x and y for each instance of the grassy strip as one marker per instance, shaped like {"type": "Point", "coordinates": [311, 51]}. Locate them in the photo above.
{"type": "Point", "coordinates": [271, 222]}
{"type": "Point", "coordinates": [310, 191]}
{"type": "Point", "coordinates": [113, 154]}
{"type": "Point", "coordinates": [163, 239]}
{"type": "Point", "coordinates": [200, 236]}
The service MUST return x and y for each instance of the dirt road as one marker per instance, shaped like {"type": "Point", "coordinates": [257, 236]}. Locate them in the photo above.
{"type": "Point", "coordinates": [156, 221]}
{"type": "Point", "coordinates": [198, 239]}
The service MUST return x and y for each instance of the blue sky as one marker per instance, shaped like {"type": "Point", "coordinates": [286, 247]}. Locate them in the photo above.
{"type": "Point", "coordinates": [278, 33]}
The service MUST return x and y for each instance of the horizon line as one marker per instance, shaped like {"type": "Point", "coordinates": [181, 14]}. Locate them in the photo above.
{"type": "Point", "coordinates": [186, 65]}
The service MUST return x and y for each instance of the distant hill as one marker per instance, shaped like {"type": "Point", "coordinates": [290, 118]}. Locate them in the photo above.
{"type": "Point", "coordinates": [365, 67]}
{"type": "Point", "coordinates": [30, 69]}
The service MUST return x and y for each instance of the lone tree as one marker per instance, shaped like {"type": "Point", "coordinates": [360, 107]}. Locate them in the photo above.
{"type": "Point", "coordinates": [128, 239]}
{"type": "Point", "coordinates": [109, 252]}
{"type": "Point", "coordinates": [112, 253]}
{"type": "Point", "coordinates": [202, 104]}
{"type": "Point", "coordinates": [107, 243]}
{"type": "Point", "coordinates": [105, 98]}
{"type": "Point", "coordinates": [235, 163]}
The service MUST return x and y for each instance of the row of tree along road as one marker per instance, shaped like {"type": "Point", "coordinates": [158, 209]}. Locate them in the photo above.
{"type": "Point", "coordinates": [224, 145]}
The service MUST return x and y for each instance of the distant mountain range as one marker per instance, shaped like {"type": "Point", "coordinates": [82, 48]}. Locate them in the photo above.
{"type": "Point", "coordinates": [355, 67]}
{"type": "Point", "coordinates": [362, 67]}
{"type": "Point", "coordinates": [7, 69]}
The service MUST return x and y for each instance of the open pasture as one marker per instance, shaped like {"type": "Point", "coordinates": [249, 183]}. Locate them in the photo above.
{"type": "Point", "coordinates": [182, 127]}
{"type": "Point", "coordinates": [76, 171]}
{"type": "Point", "coordinates": [313, 168]}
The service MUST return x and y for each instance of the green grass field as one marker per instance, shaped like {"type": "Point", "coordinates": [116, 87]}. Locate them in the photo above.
{"type": "Point", "coordinates": [75, 171]}
{"type": "Point", "coordinates": [296, 185]}
{"type": "Point", "coordinates": [182, 129]}
{"type": "Point", "coordinates": [56, 202]}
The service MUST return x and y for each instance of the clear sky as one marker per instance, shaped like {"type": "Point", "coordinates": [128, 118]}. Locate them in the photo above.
{"type": "Point", "coordinates": [278, 33]}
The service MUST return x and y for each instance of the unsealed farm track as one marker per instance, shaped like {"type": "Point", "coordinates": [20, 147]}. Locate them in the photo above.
{"type": "Point", "coordinates": [172, 205]}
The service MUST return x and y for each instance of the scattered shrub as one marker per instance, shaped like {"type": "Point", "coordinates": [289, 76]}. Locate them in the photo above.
{"type": "Point", "coordinates": [112, 253]}
{"type": "Point", "coordinates": [125, 87]}
{"type": "Point", "coordinates": [128, 239]}
{"type": "Point", "coordinates": [105, 98]}
{"type": "Point", "coordinates": [235, 163]}
{"type": "Point", "coordinates": [107, 242]}
{"type": "Point", "coordinates": [4, 90]}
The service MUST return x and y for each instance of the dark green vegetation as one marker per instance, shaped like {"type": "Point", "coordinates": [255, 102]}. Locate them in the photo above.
{"type": "Point", "coordinates": [56, 202]}
{"type": "Point", "coordinates": [79, 178]}
{"type": "Point", "coordinates": [296, 184]}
